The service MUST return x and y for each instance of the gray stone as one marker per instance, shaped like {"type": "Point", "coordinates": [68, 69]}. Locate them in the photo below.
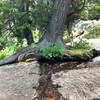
{"type": "Point", "coordinates": [79, 84]}
{"type": "Point", "coordinates": [17, 81]}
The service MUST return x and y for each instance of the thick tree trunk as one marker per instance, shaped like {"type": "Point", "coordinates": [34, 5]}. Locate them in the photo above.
{"type": "Point", "coordinates": [55, 28]}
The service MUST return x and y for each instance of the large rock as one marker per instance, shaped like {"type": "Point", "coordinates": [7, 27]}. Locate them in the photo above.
{"type": "Point", "coordinates": [16, 81]}
{"type": "Point", "coordinates": [81, 83]}
{"type": "Point", "coordinates": [95, 43]}
{"type": "Point", "coordinates": [76, 81]}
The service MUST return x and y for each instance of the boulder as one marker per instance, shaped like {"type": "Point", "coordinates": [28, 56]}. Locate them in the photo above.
{"type": "Point", "coordinates": [17, 81]}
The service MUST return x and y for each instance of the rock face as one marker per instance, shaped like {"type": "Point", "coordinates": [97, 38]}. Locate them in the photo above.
{"type": "Point", "coordinates": [76, 81]}
{"type": "Point", "coordinates": [16, 81]}
{"type": "Point", "coordinates": [79, 84]}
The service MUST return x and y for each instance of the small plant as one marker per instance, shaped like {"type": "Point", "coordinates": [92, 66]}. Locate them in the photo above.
{"type": "Point", "coordinates": [82, 44]}
{"type": "Point", "coordinates": [53, 51]}
{"type": "Point", "coordinates": [33, 45]}
{"type": "Point", "coordinates": [2, 40]}
{"type": "Point", "coordinates": [2, 56]}
{"type": "Point", "coordinates": [94, 32]}
{"type": "Point", "coordinates": [8, 50]}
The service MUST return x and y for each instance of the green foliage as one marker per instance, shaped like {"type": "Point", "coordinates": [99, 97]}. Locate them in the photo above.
{"type": "Point", "coordinates": [53, 51]}
{"type": "Point", "coordinates": [94, 33]}
{"type": "Point", "coordinates": [41, 14]}
{"type": "Point", "coordinates": [94, 13]}
{"type": "Point", "coordinates": [82, 44]}
{"type": "Point", "coordinates": [36, 35]}
{"type": "Point", "coordinates": [2, 55]}
{"type": "Point", "coordinates": [16, 16]}
{"type": "Point", "coordinates": [10, 49]}
{"type": "Point", "coordinates": [84, 14]}
{"type": "Point", "coordinates": [2, 40]}
{"type": "Point", "coordinates": [33, 45]}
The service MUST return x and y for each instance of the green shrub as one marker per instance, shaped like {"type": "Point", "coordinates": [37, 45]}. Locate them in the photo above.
{"type": "Point", "coordinates": [10, 49]}
{"type": "Point", "coordinates": [94, 13]}
{"type": "Point", "coordinates": [2, 56]}
{"type": "Point", "coordinates": [82, 44]}
{"type": "Point", "coordinates": [53, 51]}
{"type": "Point", "coordinates": [2, 40]}
{"type": "Point", "coordinates": [84, 14]}
{"type": "Point", "coordinates": [91, 13]}
{"type": "Point", "coordinates": [94, 33]}
{"type": "Point", "coordinates": [5, 52]}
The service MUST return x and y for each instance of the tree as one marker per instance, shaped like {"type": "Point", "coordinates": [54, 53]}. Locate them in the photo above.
{"type": "Point", "coordinates": [53, 32]}
{"type": "Point", "coordinates": [23, 7]}
{"type": "Point", "coordinates": [55, 27]}
{"type": "Point", "coordinates": [25, 14]}
{"type": "Point", "coordinates": [15, 19]}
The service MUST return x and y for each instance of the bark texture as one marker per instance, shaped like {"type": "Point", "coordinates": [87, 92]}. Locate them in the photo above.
{"type": "Point", "coordinates": [24, 7]}
{"type": "Point", "coordinates": [55, 28]}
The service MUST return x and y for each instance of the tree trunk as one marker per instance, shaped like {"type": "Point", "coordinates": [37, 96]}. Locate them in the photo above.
{"type": "Point", "coordinates": [24, 7]}
{"type": "Point", "coordinates": [55, 28]}
{"type": "Point", "coordinates": [28, 36]}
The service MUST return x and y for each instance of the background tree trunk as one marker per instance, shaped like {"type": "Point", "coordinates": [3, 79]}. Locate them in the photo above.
{"type": "Point", "coordinates": [24, 7]}
{"type": "Point", "coordinates": [28, 36]}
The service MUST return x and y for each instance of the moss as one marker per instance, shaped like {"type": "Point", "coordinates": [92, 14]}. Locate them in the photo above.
{"type": "Point", "coordinates": [77, 52]}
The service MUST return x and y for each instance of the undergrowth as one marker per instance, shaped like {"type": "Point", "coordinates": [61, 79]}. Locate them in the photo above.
{"type": "Point", "coordinates": [53, 51]}
{"type": "Point", "coordinates": [7, 50]}
{"type": "Point", "coordinates": [82, 44]}
{"type": "Point", "coordinates": [94, 33]}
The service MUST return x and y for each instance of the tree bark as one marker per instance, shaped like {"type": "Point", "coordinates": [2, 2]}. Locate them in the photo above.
{"type": "Point", "coordinates": [28, 36]}
{"type": "Point", "coordinates": [55, 28]}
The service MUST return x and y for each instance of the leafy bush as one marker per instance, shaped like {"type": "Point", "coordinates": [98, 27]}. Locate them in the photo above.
{"type": "Point", "coordinates": [82, 44]}
{"type": "Point", "coordinates": [8, 50]}
{"type": "Point", "coordinates": [2, 40]}
{"type": "Point", "coordinates": [2, 56]}
{"type": "Point", "coordinates": [53, 51]}
{"type": "Point", "coordinates": [94, 13]}
{"type": "Point", "coordinates": [84, 14]}
{"type": "Point", "coordinates": [36, 35]}
{"type": "Point", "coordinates": [94, 33]}
{"type": "Point", "coordinates": [91, 13]}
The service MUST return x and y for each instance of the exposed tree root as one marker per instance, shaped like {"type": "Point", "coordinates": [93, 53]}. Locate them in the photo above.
{"type": "Point", "coordinates": [30, 52]}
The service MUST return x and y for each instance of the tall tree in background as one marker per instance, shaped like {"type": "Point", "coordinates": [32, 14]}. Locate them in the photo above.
{"type": "Point", "coordinates": [24, 7]}
{"type": "Point", "coordinates": [15, 19]}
